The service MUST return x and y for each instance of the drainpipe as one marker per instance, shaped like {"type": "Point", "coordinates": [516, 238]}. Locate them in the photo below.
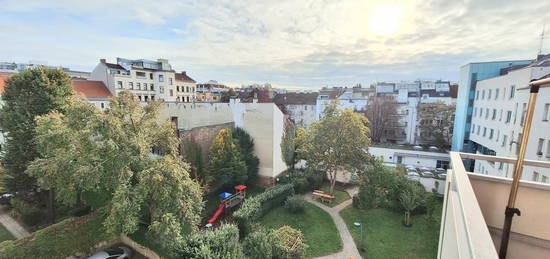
{"type": "Point", "coordinates": [511, 210]}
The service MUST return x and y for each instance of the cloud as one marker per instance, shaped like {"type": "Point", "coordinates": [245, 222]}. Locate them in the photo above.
{"type": "Point", "coordinates": [295, 43]}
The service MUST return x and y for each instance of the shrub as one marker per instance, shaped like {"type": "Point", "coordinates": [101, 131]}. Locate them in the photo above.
{"type": "Point", "coordinates": [261, 244]}
{"type": "Point", "coordinates": [315, 179]}
{"type": "Point", "coordinates": [30, 214]}
{"type": "Point", "coordinates": [295, 204]}
{"type": "Point", "coordinates": [222, 243]}
{"type": "Point", "coordinates": [254, 208]}
{"type": "Point", "coordinates": [290, 244]}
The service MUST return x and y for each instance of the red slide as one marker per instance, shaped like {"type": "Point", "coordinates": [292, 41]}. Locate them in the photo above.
{"type": "Point", "coordinates": [217, 214]}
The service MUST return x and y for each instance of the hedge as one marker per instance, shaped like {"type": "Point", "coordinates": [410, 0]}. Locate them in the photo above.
{"type": "Point", "coordinates": [220, 243]}
{"type": "Point", "coordinates": [256, 207]}
{"type": "Point", "coordinates": [63, 239]}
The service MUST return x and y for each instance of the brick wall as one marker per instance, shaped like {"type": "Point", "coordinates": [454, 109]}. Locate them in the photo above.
{"type": "Point", "coordinates": [204, 136]}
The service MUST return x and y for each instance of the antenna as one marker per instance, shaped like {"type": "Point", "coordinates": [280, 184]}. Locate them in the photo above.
{"type": "Point", "coordinates": [542, 39]}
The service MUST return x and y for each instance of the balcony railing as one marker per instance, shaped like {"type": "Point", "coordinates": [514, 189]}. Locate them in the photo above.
{"type": "Point", "coordinates": [473, 213]}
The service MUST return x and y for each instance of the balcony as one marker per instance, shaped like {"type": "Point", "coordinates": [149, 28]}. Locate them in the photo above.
{"type": "Point", "coordinates": [473, 213]}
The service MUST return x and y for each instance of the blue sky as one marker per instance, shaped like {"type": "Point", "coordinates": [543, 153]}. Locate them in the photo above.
{"type": "Point", "coordinates": [305, 44]}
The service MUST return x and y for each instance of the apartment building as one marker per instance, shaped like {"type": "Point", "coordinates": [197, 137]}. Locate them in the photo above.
{"type": "Point", "coordinates": [148, 80]}
{"type": "Point", "coordinates": [498, 118]}
{"type": "Point", "coordinates": [300, 107]}
{"type": "Point", "coordinates": [13, 67]}
{"type": "Point", "coordinates": [210, 91]}
{"type": "Point", "coordinates": [470, 74]}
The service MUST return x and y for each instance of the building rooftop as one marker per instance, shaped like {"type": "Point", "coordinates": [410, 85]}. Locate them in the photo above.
{"type": "Point", "coordinates": [184, 77]}
{"type": "Point", "coordinates": [296, 98]}
{"type": "Point", "coordinates": [91, 89]}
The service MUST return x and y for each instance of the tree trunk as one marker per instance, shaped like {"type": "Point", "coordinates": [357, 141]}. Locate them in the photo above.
{"type": "Point", "coordinates": [51, 208]}
{"type": "Point", "coordinates": [407, 219]}
{"type": "Point", "coordinates": [332, 182]}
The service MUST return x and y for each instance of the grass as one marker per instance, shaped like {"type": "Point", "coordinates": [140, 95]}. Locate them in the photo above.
{"type": "Point", "coordinates": [386, 237]}
{"type": "Point", "coordinates": [5, 234]}
{"type": "Point", "coordinates": [317, 226]}
{"type": "Point", "coordinates": [339, 195]}
{"type": "Point", "coordinates": [60, 240]}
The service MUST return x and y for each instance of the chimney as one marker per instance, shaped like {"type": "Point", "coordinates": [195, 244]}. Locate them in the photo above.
{"type": "Point", "coordinates": [103, 61]}
{"type": "Point", "coordinates": [183, 73]}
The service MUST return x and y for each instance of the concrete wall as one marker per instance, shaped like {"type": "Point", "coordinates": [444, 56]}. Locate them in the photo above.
{"type": "Point", "coordinates": [410, 157]}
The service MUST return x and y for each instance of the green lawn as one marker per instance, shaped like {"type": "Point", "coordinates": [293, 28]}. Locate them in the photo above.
{"type": "Point", "coordinates": [5, 234]}
{"type": "Point", "coordinates": [317, 226]}
{"type": "Point", "coordinates": [386, 237]}
{"type": "Point", "coordinates": [339, 195]}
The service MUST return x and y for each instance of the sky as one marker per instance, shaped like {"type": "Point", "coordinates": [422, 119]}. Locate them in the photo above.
{"type": "Point", "coordinates": [299, 44]}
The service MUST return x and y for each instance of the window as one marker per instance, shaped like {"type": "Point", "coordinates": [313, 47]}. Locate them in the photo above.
{"type": "Point", "coordinates": [146, 98]}
{"type": "Point", "coordinates": [161, 89]}
{"type": "Point", "coordinates": [119, 83]}
{"type": "Point", "coordinates": [139, 98]}
{"type": "Point", "coordinates": [152, 86]}
{"type": "Point", "coordinates": [494, 114]}
{"type": "Point", "coordinates": [145, 86]}
{"type": "Point", "coordinates": [496, 93]}
{"type": "Point", "coordinates": [483, 95]}
{"type": "Point", "coordinates": [486, 113]}
{"type": "Point", "coordinates": [171, 92]}
{"type": "Point", "coordinates": [484, 131]}
{"type": "Point", "coordinates": [177, 88]}
{"type": "Point", "coordinates": [170, 82]}
{"type": "Point", "coordinates": [512, 91]}
{"type": "Point", "coordinates": [140, 74]}
{"type": "Point", "coordinates": [131, 84]}
{"type": "Point", "coordinates": [500, 166]}
{"type": "Point", "coordinates": [545, 116]}
{"type": "Point", "coordinates": [152, 97]}
{"type": "Point", "coordinates": [504, 139]}
{"type": "Point", "coordinates": [491, 133]}
{"type": "Point", "coordinates": [151, 76]}
{"type": "Point", "coordinates": [475, 111]}
{"type": "Point", "coordinates": [473, 128]}
{"type": "Point", "coordinates": [540, 146]}
{"type": "Point", "coordinates": [535, 177]}
{"type": "Point", "coordinates": [102, 106]}
{"type": "Point", "coordinates": [489, 94]}
{"type": "Point", "coordinates": [305, 108]}
{"type": "Point", "coordinates": [480, 112]}
{"type": "Point", "coordinates": [500, 115]}
{"type": "Point", "coordinates": [548, 149]}
{"type": "Point", "coordinates": [520, 135]}
{"type": "Point", "coordinates": [477, 95]}
{"type": "Point", "coordinates": [161, 78]}
{"type": "Point", "coordinates": [503, 93]}
{"type": "Point", "coordinates": [478, 129]}
{"type": "Point", "coordinates": [138, 86]}
{"type": "Point", "coordinates": [544, 179]}
{"type": "Point", "coordinates": [442, 164]}
{"type": "Point", "coordinates": [508, 116]}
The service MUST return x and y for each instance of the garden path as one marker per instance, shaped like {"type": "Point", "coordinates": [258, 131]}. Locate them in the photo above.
{"type": "Point", "coordinates": [12, 225]}
{"type": "Point", "coordinates": [350, 249]}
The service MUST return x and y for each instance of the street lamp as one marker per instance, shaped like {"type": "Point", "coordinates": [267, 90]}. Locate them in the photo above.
{"type": "Point", "coordinates": [357, 224]}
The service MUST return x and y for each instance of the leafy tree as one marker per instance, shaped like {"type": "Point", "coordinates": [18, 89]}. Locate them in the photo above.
{"type": "Point", "coordinates": [436, 123]}
{"type": "Point", "coordinates": [4, 178]}
{"type": "Point", "coordinates": [227, 95]}
{"type": "Point", "coordinates": [261, 244]}
{"type": "Point", "coordinates": [193, 155]}
{"type": "Point", "coordinates": [85, 150]}
{"type": "Point", "coordinates": [336, 142]}
{"type": "Point", "coordinates": [382, 124]}
{"type": "Point", "coordinates": [226, 165]}
{"type": "Point", "coordinates": [288, 147]}
{"type": "Point", "coordinates": [410, 199]}
{"type": "Point", "coordinates": [28, 94]}
{"type": "Point", "coordinates": [246, 146]}
{"type": "Point", "coordinates": [291, 242]}
{"type": "Point", "coordinates": [220, 243]}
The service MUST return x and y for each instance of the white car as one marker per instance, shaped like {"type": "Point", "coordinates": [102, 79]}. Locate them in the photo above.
{"type": "Point", "coordinates": [413, 174]}
{"type": "Point", "coordinates": [418, 147]}
{"type": "Point", "coordinates": [120, 252]}
{"type": "Point", "coordinates": [427, 174]}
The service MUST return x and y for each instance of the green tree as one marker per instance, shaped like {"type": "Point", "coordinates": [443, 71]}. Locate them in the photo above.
{"type": "Point", "coordinates": [85, 150]}
{"type": "Point", "coordinates": [246, 146]}
{"type": "Point", "coordinates": [288, 147]}
{"type": "Point", "coordinates": [193, 155]}
{"type": "Point", "coordinates": [436, 123]}
{"type": "Point", "coordinates": [336, 142]}
{"type": "Point", "coordinates": [226, 165]}
{"type": "Point", "coordinates": [410, 199]}
{"type": "Point", "coordinates": [28, 94]}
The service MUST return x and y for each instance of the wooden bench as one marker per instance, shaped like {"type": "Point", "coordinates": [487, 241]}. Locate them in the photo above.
{"type": "Point", "coordinates": [324, 197]}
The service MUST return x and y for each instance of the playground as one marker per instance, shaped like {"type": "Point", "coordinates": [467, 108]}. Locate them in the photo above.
{"type": "Point", "coordinates": [228, 202]}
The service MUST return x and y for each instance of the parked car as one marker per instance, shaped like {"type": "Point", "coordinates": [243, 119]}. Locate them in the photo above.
{"type": "Point", "coordinates": [427, 174]}
{"type": "Point", "coordinates": [412, 174]}
{"type": "Point", "coordinates": [441, 176]}
{"type": "Point", "coordinates": [5, 199]}
{"type": "Point", "coordinates": [120, 252]}
{"type": "Point", "coordinates": [424, 169]}
{"type": "Point", "coordinates": [410, 167]}
{"type": "Point", "coordinates": [433, 148]}
{"type": "Point", "coordinates": [440, 171]}
{"type": "Point", "coordinates": [418, 147]}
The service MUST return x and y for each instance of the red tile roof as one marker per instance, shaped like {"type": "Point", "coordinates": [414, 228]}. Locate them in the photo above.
{"type": "Point", "coordinates": [91, 89]}
{"type": "Point", "coordinates": [3, 80]}
{"type": "Point", "coordinates": [296, 98]}
{"type": "Point", "coordinates": [184, 77]}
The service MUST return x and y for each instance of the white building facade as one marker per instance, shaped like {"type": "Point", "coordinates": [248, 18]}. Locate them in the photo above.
{"type": "Point", "coordinates": [148, 80]}
{"type": "Point", "coordinates": [499, 116]}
